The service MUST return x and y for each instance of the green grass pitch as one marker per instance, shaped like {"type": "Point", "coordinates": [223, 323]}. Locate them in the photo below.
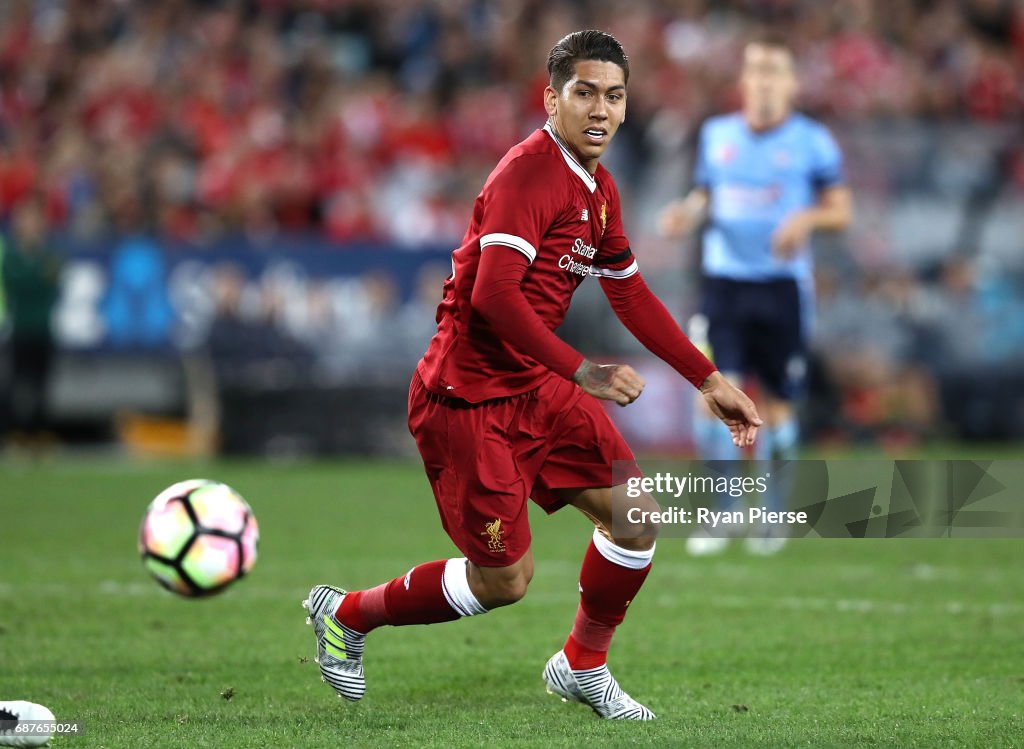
{"type": "Point", "coordinates": [831, 643]}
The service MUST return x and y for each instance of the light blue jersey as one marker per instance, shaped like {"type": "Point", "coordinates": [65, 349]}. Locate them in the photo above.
{"type": "Point", "coordinates": [754, 181]}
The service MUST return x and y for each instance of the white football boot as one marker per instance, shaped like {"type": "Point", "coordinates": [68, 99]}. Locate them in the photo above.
{"type": "Point", "coordinates": [764, 546]}
{"type": "Point", "coordinates": [339, 650]}
{"type": "Point", "coordinates": [14, 712]}
{"type": "Point", "coordinates": [594, 687]}
{"type": "Point", "coordinates": [700, 543]}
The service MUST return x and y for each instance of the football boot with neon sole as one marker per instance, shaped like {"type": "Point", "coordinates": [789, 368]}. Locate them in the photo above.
{"type": "Point", "coordinates": [339, 649]}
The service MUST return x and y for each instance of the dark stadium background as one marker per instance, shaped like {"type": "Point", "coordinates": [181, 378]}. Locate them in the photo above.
{"type": "Point", "coordinates": [255, 202]}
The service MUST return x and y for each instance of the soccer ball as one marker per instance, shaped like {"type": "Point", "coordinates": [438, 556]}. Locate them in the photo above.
{"type": "Point", "coordinates": [198, 537]}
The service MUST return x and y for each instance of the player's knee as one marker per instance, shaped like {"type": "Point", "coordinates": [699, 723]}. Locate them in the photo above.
{"type": "Point", "coordinates": [505, 586]}
{"type": "Point", "coordinates": [639, 529]}
{"type": "Point", "coordinates": [505, 591]}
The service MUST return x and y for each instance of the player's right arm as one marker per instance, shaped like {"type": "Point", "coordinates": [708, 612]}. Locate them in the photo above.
{"type": "Point", "coordinates": [614, 382]}
{"type": "Point", "coordinates": [683, 216]}
{"type": "Point", "coordinates": [833, 208]}
{"type": "Point", "coordinates": [520, 205]}
{"type": "Point", "coordinates": [498, 298]}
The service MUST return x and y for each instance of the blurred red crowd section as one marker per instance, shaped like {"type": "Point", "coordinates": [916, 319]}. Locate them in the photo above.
{"type": "Point", "coordinates": [379, 119]}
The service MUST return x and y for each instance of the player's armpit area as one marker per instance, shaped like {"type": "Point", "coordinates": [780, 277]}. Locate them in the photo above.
{"type": "Point", "coordinates": [498, 298]}
{"type": "Point", "coordinates": [646, 318]}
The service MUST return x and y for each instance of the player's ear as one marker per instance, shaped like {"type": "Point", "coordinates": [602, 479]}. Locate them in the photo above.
{"type": "Point", "coordinates": [550, 101]}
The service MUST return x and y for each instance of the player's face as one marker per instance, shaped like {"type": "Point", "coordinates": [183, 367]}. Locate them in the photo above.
{"type": "Point", "coordinates": [588, 110]}
{"type": "Point", "coordinates": [768, 83]}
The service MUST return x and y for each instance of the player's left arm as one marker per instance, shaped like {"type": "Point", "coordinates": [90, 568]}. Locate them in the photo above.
{"type": "Point", "coordinates": [832, 212]}
{"type": "Point", "coordinates": [649, 321]}
{"type": "Point", "coordinates": [833, 209]}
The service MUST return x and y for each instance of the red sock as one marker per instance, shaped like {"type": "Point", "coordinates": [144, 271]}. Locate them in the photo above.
{"type": "Point", "coordinates": [607, 588]}
{"type": "Point", "coordinates": [415, 598]}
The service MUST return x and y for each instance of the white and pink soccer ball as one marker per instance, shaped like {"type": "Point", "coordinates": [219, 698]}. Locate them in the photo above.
{"type": "Point", "coordinates": [198, 537]}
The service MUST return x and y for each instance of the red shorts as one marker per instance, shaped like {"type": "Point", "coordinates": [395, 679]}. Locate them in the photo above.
{"type": "Point", "coordinates": [484, 460]}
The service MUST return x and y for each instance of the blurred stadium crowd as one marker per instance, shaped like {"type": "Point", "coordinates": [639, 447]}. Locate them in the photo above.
{"type": "Point", "coordinates": [376, 121]}
{"type": "Point", "coordinates": [377, 118]}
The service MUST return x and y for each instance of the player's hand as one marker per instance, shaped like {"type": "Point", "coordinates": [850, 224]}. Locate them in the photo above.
{"type": "Point", "coordinates": [610, 382]}
{"type": "Point", "coordinates": [791, 236]}
{"type": "Point", "coordinates": [675, 220]}
{"type": "Point", "coordinates": [733, 407]}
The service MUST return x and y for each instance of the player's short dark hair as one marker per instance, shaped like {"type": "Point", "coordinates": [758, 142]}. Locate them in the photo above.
{"type": "Point", "coordinates": [584, 45]}
{"type": "Point", "coordinates": [773, 39]}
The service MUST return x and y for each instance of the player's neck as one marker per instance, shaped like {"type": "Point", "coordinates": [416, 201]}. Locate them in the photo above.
{"type": "Point", "coordinates": [590, 165]}
{"type": "Point", "coordinates": [762, 125]}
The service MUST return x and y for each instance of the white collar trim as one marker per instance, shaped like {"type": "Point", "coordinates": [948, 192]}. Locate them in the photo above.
{"type": "Point", "coordinates": [576, 166]}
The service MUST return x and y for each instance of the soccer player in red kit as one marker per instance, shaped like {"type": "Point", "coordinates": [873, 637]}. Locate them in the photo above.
{"type": "Point", "coordinates": [504, 411]}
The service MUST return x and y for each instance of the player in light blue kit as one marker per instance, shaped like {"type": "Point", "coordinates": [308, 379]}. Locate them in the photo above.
{"type": "Point", "coordinates": [765, 179]}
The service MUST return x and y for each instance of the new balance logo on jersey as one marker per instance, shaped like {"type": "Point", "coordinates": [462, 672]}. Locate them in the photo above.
{"type": "Point", "coordinates": [585, 216]}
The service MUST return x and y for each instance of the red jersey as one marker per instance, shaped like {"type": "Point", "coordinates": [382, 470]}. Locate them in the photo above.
{"type": "Point", "coordinates": [541, 202]}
